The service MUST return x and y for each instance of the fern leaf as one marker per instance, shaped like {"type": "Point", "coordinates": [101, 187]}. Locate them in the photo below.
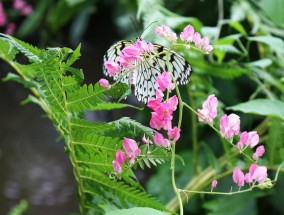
{"type": "Point", "coordinates": [30, 51]}
{"type": "Point", "coordinates": [131, 128]}
{"type": "Point", "coordinates": [89, 96]}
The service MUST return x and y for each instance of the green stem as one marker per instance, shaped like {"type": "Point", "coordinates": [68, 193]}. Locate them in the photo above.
{"type": "Point", "coordinates": [194, 136]}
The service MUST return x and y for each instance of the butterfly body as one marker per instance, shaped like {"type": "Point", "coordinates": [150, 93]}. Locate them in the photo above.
{"type": "Point", "coordinates": [144, 73]}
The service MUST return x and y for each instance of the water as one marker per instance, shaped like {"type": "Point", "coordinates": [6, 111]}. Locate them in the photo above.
{"type": "Point", "coordinates": [33, 166]}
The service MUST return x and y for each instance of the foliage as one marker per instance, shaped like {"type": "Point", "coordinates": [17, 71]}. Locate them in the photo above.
{"type": "Point", "coordinates": [245, 71]}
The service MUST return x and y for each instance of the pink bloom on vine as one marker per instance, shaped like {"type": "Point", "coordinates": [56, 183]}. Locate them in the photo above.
{"type": "Point", "coordinates": [204, 42]}
{"type": "Point", "coordinates": [19, 4]}
{"type": "Point", "coordinates": [197, 39]}
{"type": "Point", "coordinates": [104, 83]}
{"type": "Point", "coordinates": [187, 34]}
{"type": "Point", "coordinates": [248, 138]}
{"type": "Point", "coordinates": [144, 46]}
{"type": "Point", "coordinates": [166, 33]}
{"type": "Point", "coordinates": [159, 93]}
{"type": "Point", "coordinates": [229, 125]}
{"type": "Point", "coordinates": [147, 141]}
{"type": "Point", "coordinates": [161, 141]}
{"type": "Point", "coordinates": [260, 174]}
{"type": "Point", "coordinates": [154, 103]}
{"type": "Point", "coordinates": [158, 121]}
{"type": "Point", "coordinates": [214, 183]}
{"type": "Point", "coordinates": [173, 102]}
{"type": "Point", "coordinates": [248, 178]}
{"type": "Point", "coordinates": [132, 52]}
{"type": "Point", "coordinates": [258, 152]}
{"type": "Point", "coordinates": [164, 81]}
{"type": "Point", "coordinates": [238, 177]}
{"type": "Point", "coordinates": [10, 28]}
{"type": "Point", "coordinates": [209, 111]}
{"type": "Point", "coordinates": [120, 157]}
{"type": "Point", "coordinates": [164, 109]}
{"type": "Point", "coordinates": [27, 10]}
{"type": "Point", "coordinates": [174, 133]}
{"type": "Point", "coordinates": [3, 18]}
{"type": "Point", "coordinates": [113, 68]}
{"type": "Point", "coordinates": [131, 148]}
{"type": "Point", "coordinates": [117, 167]}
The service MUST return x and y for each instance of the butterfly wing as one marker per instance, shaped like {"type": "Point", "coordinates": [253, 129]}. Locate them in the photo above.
{"type": "Point", "coordinates": [152, 67]}
{"type": "Point", "coordinates": [112, 54]}
{"type": "Point", "coordinates": [144, 76]}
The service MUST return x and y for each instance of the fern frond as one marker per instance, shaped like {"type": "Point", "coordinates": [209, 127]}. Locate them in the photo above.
{"type": "Point", "coordinates": [89, 96]}
{"type": "Point", "coordinates": [130, 128]}
{"type": "Point", "coordinates": [28, 50]}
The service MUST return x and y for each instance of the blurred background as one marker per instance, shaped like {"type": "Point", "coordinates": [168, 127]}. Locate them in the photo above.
{"type": "Point", "coordinates": [33, 164]}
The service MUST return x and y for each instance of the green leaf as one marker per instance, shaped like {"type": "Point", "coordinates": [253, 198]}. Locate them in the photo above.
{"type": "Point", "coordinates": [275, 141]}
{"type": "Point", "coordinates": [274, 43]}
{"type": "Point", "coordinates": [112, 106]}
{"type": "Point", "coordinates": [136, 211]}
{"type": "Point", "coordinates": [263, 63]}
{"type": "Point", "coordinates": [264, 107]}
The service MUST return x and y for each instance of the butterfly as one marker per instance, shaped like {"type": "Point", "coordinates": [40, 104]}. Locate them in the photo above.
{"type": "Point", "coordinates": [144, 76]}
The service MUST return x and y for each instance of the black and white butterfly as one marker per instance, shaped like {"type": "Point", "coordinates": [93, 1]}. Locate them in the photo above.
{"type": "Point", "coordinates": [143, 77]}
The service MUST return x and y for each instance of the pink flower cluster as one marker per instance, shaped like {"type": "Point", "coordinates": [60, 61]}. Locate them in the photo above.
{"type": "Point", "coordinates": [256, 174]}
{"type": "Point", "coordinates": [162, 116]}
{"type": "Point", "coordinates": [209, 109]}
{"type": "Point", "coordinates": [166, 33]}
{"type": "Point", "coordinates": [20, 5]}
{"type": "Point", "coordinates": [129, 57]}
{"type": "Point", "coordinates": [188, 35]}
{"type": "Point", "coordinates": [131, 151]}
{"type": "Point", "coordinates": [23, 7]}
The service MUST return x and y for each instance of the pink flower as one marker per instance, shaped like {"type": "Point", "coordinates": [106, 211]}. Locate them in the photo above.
{"type": "Point", "coordinates": [120, 157]}
{"type": "Point", "coordinates": [104, 83]}
{"type": "Point", "coordinates": [154, 103]}
{"type": "Point", "coordinates": [112, 67]}
{"type": "Point", "coordinates": [238, 177]}
{"type": "Point", "coordinates": [229, 125]}
{"type": "Point", "coordinates": [259, 152]}
{"type": "Point", "coordinates": [10, 29]}
{"type": "Point", "coordinates": [174, 134]}
{"type": "Point", "coordinates": [197, 39]}
{"type": "Point", "coordinates": [133, 52]}
{"type": "Point", "coordinates": [159, 93]}
{"type": "Point", "coordinates": [117, 167]}
{"type": "Point", "coordinates": [173, 102]}
{"type": "Point", "coordinates": [131, 149]}
{"type": "Point", "coordinates": [164, 109]}
{"type": "Point", "coordinates": [204, 42]}
{"type": "Point", "coordinates": [27, 10]}
{"type": "Point", "coordinates": [248, 178]}
{"type": "Point", "coordinates": [147, 141]}
{"type": "Point", "coordinates": [187, 34]}
{"type": "Point", "coordinates": [209, 111]}
{"type": "Point", "coordinates": [166, 33]}
{"type": "Point", "coordinates": [164, 81]}
{"type": "Point", "coordinates": [158, 121]}
{"type": "Point", "coordinates": [3, 18]}
{"type": "Point", "coordinates": [248, 138]}
{"type": "Point", "coordinates": [260, 174]}
{"type": "Point", "coordinates": [214, 183]}
{"type": "Point", "coordinates": [144, 46]}
{"type": "Point", "coordinates": [19, 4]}
{"type": "Point", "coordinates": [161, 141]}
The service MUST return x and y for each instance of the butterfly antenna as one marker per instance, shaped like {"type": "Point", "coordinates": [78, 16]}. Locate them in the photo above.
{"type": "Point", "coordinates": [150, 25]}
{"type": "Point", "coordinates": [139, 35]}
